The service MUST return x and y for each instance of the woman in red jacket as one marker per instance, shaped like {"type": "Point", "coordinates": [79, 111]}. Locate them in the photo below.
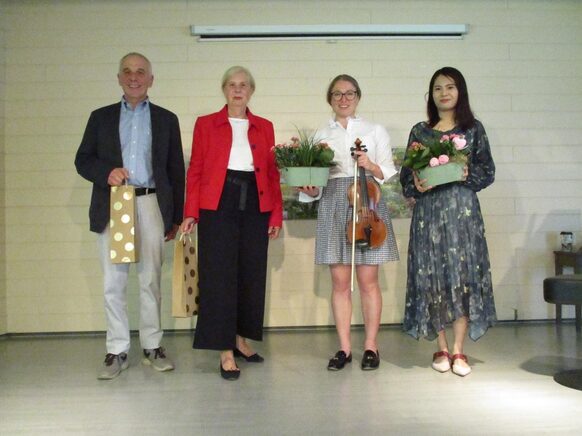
{"type": "Point", "coordinates": [234, 196]}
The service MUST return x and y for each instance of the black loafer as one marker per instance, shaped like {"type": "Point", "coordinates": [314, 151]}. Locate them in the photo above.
{"type": "Point", "coordinates": [255, 358]}
{"type": "Point", "coordinates": [338, 361]}
{"type": "Point", "coordinates": [370, 360]}
{"type": "Point", "coordinates": [229, 374]}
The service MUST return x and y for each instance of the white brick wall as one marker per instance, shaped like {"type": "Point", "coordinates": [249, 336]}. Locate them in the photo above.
{"type": "Point", "coordinates": [522, 61]}
{"type": "Point", "coordinates": [3, 301]}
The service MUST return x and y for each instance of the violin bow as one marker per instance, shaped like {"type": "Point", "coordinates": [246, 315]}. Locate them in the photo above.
{"type": "Point", "coordinates": [354, 216]}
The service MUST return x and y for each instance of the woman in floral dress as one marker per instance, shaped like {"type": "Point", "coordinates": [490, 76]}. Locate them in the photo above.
{"type": "Point", "coordinates": [449, 277]}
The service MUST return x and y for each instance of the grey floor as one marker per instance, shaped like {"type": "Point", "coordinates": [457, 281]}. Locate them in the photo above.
{"type": "Point", "coordinates": [48, 385]}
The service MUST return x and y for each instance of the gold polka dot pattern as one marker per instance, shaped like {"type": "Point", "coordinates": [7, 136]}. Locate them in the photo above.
{"type": "Point", "coordinates": [123, 247]}
{"type": "Point", "coordinates": [185, 278]}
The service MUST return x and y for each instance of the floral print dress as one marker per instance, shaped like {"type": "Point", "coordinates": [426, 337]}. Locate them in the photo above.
{"type": "Point", "coordinates": [448, 263]}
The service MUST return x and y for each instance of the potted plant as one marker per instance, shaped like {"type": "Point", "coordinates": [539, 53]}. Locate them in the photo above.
{"type": "Point", "coordinates": [305, 161]}
{"type": "Point", "coordinates": [440, 161]}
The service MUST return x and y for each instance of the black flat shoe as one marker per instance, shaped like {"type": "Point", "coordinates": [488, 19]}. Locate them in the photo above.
{"type": "Point", "coordinates": [338, 361]}
{"type": "Point", "coordinates": [370, 360]}
{"type": "Point", "coordinates": [230, 374]}
{"type": "Point", "coordinates": [255, 358]}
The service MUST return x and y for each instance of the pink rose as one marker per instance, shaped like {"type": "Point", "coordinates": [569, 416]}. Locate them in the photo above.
{"type": "Point", "coordinates": [434, 162]}
{"type": "Point", "coordinates": [444, 138]}
{"type": "Point", "coordinates": [460, 142]}
{"type": "Point", "coordinates": [443, 159]}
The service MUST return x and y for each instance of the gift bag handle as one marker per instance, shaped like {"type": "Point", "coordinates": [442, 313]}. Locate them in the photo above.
{"type": "Point", "coordinates": [183, 237]}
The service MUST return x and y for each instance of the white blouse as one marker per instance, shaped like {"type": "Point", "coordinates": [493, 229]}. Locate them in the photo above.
{"type": "Point", "coordinates": [240, 158]}
{"type": "Point", "coordinates": [373, 136]}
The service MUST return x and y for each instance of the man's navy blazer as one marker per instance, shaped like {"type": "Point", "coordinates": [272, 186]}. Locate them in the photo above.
{"type": "Point", "coordinates": [100, 153]}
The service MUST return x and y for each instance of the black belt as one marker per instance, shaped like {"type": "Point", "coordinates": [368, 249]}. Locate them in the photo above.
{"type": "Point", "coordinates": [243, 182]}
{"type": "Point", "coordinates": [144, 191]}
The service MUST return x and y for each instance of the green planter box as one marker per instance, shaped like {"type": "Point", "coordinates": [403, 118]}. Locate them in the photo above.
{"type": "Point", "coordinates": [441, 174]}
{"type": "Point", "coordinates": [305, 176]}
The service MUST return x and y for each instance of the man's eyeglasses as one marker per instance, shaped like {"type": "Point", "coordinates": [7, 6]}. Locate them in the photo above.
{"type": "Point", "coordinates": [349, 95]}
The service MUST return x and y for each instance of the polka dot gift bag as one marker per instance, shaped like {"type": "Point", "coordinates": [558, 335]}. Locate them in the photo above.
{"type": "Point", "coordinates": [122, 225]}
{"type": "Point", "coordinates": [185, 278]}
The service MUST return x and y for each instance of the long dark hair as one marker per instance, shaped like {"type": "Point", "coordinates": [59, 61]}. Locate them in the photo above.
{"type": "Point", "coordinates": [345, 78]}
{"type": "Point", "coordinates": [464, 117]}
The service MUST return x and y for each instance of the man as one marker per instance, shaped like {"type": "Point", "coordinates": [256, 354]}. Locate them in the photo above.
{"type": "Point", "coordinates": [137, 142]}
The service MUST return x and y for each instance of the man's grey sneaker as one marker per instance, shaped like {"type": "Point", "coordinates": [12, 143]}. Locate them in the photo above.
{"type": "Point", "coordinates": [113, 365]}
{"type": "Point", "coordinates": [157, 359]}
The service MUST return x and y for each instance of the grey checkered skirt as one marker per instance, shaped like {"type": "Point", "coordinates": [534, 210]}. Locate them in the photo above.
{"type": "Point", "coordinates": [331, 243]}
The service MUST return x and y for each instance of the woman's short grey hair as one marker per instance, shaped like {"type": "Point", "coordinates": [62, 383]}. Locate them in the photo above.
{"type": "Point", "coordinates": [235, 70]}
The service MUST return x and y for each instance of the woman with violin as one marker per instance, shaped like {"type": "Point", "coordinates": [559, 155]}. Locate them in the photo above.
{"type": "Point", "coordinates": [365, 145]}
{"type": "Point", "coordinates": [449, 277]}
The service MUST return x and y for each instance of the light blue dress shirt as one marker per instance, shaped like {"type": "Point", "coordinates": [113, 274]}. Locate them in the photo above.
{"type": "Point", "coordinates": [135, 133]}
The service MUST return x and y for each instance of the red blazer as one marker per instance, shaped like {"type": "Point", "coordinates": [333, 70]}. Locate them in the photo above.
{"type": "Point", "coordinates": [210, 153]}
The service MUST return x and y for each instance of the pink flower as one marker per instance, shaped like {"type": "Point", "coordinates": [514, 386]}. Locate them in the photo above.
{"type": "Point", "coordinates": [434, 162]}
{"type": "Point", "coordinates": [416, 146]}
{"type": "Point", "coordinates": [444, 138]}
{"type": "Point", "coordinates": [443, 159]}
{"type": "Point", "coordinates": [460, 142]}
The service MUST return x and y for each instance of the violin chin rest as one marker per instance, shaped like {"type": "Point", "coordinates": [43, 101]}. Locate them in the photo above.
{"type": "Point", "coordinates": [362, 244]}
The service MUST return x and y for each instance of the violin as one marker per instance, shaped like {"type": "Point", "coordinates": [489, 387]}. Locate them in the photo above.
{"type": "Point", "coordinates": [370, 230]}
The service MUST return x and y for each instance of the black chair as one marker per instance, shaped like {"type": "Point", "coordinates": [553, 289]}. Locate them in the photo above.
{"type": "Point", "coordinates": [566, 289]}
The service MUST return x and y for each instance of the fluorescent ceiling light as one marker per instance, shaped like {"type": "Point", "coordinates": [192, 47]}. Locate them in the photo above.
{"type": "Point", "coordinates": [328, 32]}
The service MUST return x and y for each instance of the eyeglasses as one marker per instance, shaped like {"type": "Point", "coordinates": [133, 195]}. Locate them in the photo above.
{"type": "Point", "coordinates": [349, 95]}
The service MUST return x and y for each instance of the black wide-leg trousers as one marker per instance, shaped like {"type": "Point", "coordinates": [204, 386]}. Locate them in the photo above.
{"type": "Point", "coordinates": [232, 266]}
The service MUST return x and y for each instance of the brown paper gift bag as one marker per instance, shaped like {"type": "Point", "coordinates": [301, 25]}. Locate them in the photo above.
{"type": "Point", "coordinates": [185, 278]}
{"type": "Point", "coordinates": [122, 225]}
